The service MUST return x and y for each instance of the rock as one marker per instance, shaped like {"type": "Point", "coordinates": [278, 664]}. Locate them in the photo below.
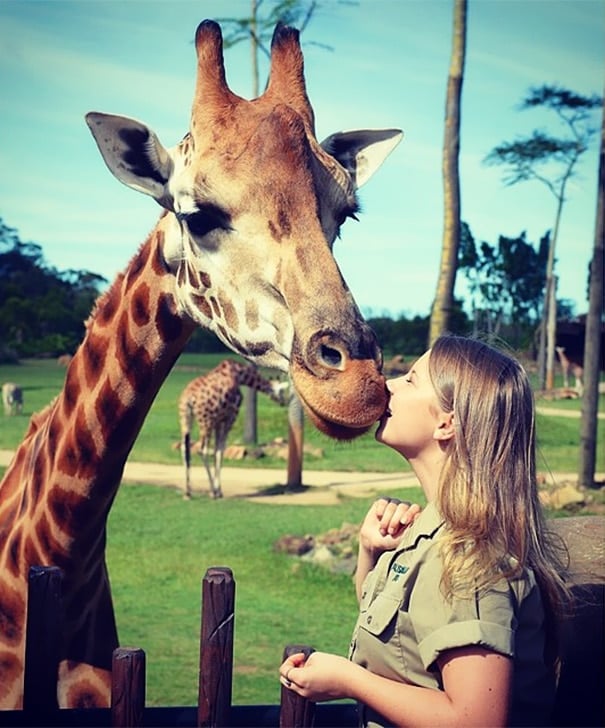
{"type": "Point", "coordinates": [294, 545]}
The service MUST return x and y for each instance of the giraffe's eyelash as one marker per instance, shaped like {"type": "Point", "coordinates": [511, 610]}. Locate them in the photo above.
{"type": "Point", "coordinates": [205, 219]}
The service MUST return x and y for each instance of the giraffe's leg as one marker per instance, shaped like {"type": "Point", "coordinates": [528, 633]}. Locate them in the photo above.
{"type": "Point", "coordinates": [206, 458]}
{"type": "Point", "coordinates": [579, 384]}
{"type": "Point", "coordinates": [221, 433]}
{"type": "Point", "coordinates": [218, 462]}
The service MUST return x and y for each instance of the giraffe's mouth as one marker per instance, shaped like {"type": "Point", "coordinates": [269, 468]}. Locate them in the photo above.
{"type": "Point", "coordinates": [345, 404]}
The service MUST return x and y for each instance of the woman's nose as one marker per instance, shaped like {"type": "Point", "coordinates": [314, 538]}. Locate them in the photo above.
{"type": "Point", "coordinates": [392, 384]}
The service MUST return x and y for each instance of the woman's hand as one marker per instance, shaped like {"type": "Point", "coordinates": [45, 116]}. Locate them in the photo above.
{"type": "Point", "coordinates": [319, 677]}
{"type": "Point", "coordinates": [382, 530]}
{"type": "Point", "coordinates": [385, 523]}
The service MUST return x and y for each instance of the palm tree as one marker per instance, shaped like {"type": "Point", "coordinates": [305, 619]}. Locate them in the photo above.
{"type": "Point", "coordinates": [593, 337]}
{"type": "Point", "coordinates": [444, 296]}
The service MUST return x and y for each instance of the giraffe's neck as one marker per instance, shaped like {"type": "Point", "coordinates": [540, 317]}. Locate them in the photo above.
{"type": "Point", "coordinates": [58, 490]}
{"type": "Point", "coordinates": [248, 376]}
{"type": "Point", "coordinates": [132, 341]}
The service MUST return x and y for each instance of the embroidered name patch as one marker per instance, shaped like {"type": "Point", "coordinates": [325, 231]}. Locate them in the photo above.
{"type": "Point", "coordinates": [398, 570]}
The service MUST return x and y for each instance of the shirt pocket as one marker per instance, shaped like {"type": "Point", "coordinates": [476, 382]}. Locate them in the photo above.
{"type": "Point", "coordinates": [379, 645]}
{"type": "Point", "coordinates": [380, 616]}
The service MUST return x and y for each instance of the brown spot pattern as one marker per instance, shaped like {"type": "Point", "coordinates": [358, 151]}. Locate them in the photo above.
{"type": "Point", "coordinates": [14, 552]}
{"type": "Point", "coordinates": [108, 408]}
{"type": "Point", "coordinates": [140, 305]}
{"type": "Point", "coordinates": [230, 315]}
{"type": "Point", "coordinates": [93, 360]}
{"type": "Point", "coordinates": [108, 306]}
{"type": "Point", "coordinates": [252, 314]}
{"type": "Point", "coordinates": [78, 456]}
{"type": "Point", "coordinates": [11, 609]}
{"type": "Point", "coordinates": [169, 326]}
{"type": "Point", "coordinates": [158, 264]}
{"type": "Point", "coordinates": [202, 304]}
{"type": "Point", "coordinates": [137, 266]}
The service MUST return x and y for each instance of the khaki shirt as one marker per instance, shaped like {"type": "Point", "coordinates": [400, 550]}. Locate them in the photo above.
{"type": "Point", "coordinates": [405, 623]}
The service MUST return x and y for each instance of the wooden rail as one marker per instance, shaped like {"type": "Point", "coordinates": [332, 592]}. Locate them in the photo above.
{"type": "Point", "coordinates": [580, 695]}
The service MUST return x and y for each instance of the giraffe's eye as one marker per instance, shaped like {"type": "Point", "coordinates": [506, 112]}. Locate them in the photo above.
{"type": "Point", "coordinates": [206, 219]}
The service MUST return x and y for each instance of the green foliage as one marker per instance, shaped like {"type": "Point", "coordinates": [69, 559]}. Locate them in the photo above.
{"type": "Point", "coordinates": [42, 310]}
{"type": "Point", "coordinates": [506, 283]}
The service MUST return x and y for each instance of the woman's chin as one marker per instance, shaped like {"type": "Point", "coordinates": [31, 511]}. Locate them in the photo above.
{"type": "Point", "coordinates": [380, 429]}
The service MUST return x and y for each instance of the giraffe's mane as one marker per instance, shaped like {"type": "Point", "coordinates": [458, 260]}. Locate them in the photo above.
{"type": "Point", "coordinates": [117, 282]}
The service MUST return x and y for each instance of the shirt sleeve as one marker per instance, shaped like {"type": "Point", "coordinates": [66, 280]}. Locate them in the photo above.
{"type": "Point", "coordinates": [487, 620]}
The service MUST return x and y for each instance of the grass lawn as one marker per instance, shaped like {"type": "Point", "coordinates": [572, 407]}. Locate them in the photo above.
{"type": "Point", "coordinates": [41, 380]}
{"type": "Point", "coordinates": [159, 546]}
{"type": "Point", "coordinates": [159, 549]}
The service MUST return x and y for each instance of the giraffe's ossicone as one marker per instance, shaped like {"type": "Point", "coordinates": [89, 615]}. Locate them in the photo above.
{"type": "Point", "coordinates": [252, 205]}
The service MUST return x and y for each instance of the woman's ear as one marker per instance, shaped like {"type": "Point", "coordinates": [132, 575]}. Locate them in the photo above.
{"type": "Point", "coordinates": [445, 429]}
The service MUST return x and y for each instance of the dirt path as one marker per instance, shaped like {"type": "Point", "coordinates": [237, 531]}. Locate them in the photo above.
{"type": "Point", "coordinates": [266, 485]}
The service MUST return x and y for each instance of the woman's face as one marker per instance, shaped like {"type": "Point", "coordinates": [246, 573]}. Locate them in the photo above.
{"type": "Point", "coordinates": [413, 415]}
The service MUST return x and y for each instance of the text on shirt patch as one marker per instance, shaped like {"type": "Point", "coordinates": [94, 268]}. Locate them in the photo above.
{"type": "Point", "coordinates": [399, 570]}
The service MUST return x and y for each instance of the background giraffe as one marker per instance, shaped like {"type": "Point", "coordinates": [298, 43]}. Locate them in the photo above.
{"type": "Point", "coordinates": [213, 401]}
{"type": "Point", "coordinates": [570, 367]}
{"type": "Point", "coordinates": [12, 398]}
{"type": "Point", "coordinates": [252, 205]}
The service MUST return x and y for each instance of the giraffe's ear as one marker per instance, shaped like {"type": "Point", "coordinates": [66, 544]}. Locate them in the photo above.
{"type": "Point", "coordinates": [362, 152]}
{"type": "Point", "coordinates": [133, 153]}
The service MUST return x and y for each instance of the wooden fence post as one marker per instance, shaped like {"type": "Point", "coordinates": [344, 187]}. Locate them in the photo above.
{"type": "Point", "coordinates": [296, 430]}
{"type": "Point", "coordinates": [295, 711]}
{"type": "Point", "coordinates": [127, 687]}
{"type": "Point", "coordinates": [216, 647]}
{"type": "Point", "coordinates": [43, 636]}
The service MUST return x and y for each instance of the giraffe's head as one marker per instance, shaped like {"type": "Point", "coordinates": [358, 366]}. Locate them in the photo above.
{"type": "Point", "coordinates": [256, 203]}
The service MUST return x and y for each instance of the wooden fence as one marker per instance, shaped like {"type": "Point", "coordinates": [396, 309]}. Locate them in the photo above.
{"type": "Point", "coordinates": [580, 696]}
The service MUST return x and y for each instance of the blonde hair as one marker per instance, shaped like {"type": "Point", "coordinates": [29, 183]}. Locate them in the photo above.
{"type": "Point", "coordinates": [488, 494]}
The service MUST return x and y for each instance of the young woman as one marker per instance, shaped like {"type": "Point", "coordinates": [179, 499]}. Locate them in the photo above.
{"type": "Point", "coordinates": [457, 603]}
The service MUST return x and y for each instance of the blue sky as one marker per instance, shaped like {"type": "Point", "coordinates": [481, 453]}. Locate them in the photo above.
{"type": "Point", "coordinates": [388, 68]}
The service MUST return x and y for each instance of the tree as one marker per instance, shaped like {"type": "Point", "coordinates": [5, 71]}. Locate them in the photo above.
{"type": "Point", "coordinates": [42, 310]}
{"type": "Point", "coordinates": [534, 158]}
{"type": "Point", "coordinates": [506, 282]}
{"type": "Point", "coordinates": [259, 28]}
{"type": "Point", "coordinates": [592, 341]}
{"type": "Point", "coordinates": [443, 303]}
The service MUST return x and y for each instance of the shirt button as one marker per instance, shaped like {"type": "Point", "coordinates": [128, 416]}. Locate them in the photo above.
{"type": "Point", "coordinates": [369, 619]}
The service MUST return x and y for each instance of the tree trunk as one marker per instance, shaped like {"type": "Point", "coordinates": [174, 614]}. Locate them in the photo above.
{"type": "Point", "coordinates": [551, 334]}
{"type": "Point", "coordinates": [444, 296]}
{"type": "Point", "coordinates": [254, 47]}
{"type": "Point", "coordinates": [592, 345]}
{"type": "Point", "coordinates": [549, 315]}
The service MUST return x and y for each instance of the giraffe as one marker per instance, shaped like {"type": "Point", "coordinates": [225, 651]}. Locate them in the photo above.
{"type": "Point", "coordinates": [213, 401]}
{"type": "Point", "coordinates": [567, 366]}
{"type": "Point", "coordinates": [12, 398]}
{"type": "Point", "coordinates": [252, 204]}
